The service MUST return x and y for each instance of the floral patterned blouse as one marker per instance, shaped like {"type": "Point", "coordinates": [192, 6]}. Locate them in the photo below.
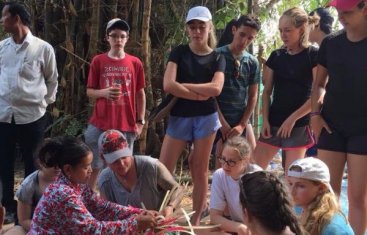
{"type": "Point", "coordinates": [68, 209]}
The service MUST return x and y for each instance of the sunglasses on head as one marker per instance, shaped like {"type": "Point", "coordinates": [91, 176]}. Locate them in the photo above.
{"type": "Point", "coordinates": [236, 65]}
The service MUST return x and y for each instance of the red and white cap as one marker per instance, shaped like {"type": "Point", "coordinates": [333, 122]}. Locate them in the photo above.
{"type": "Point", "coordinates": [112, 144]}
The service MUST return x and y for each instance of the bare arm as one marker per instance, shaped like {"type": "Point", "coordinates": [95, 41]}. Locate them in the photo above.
{"type": "Point", "coordinates": [241, 126]}
{"type": "Point", "coordinates": [167, 182]}
{"type": "Point", "coordinates": [140, 110]}
{"type": "Point", "coordinates": [306, 107]}
{"type": "Point", "coordinates": [252, 99]}
{"type": "Point", "coordinates": [216, 217]}
{"type": "Point", "coordinates": [170, 85]}
{"type": "Point", "coordinates": [318, 88]}
{"type": "Point", "coordinates": [98, 93]}
{"type": "Point", "coordinates": [287, 126]}
{"type": "Point", "coordinates": [24, 215]}
{"type": "Point", "coordinates": [140, 104]}
{"type": "Point", "coordinates": [318, 91]}
{"type": "Point", "coordinates": [267, 92]}
{"type": "Point", "coordinates": [213, 88]}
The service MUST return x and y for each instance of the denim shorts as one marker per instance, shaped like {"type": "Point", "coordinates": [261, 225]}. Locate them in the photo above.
{"type": "Point", "coordinates": [300, 137]}
{"type": "Point", "coordinates": [91, 136]}
{"type": "Point", "coordinates": [192, 128]}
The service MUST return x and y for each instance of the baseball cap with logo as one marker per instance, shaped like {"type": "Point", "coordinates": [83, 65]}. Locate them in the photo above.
{"type": "Point", "coordinates": [199, 13]}
{"type": "Point", "coordinates": [344, 5]}
{"type": "Point", "coordinates": [112, 144]}
{"type": "Point", "coordinates": [118, 23]}
{"type": "Point", "coordinates": [311, 168]}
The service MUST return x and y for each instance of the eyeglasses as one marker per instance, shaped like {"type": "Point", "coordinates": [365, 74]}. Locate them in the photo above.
{"type": "Point", "coordinates": [230, 163]}
{"type": "Point", "coordinates": [116, 37]}
{"type": "Point", "coordinates": [236, 65]}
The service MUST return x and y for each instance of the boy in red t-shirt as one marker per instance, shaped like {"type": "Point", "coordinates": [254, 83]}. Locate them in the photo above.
{"type": "Point", "coordinates": [116, 82]}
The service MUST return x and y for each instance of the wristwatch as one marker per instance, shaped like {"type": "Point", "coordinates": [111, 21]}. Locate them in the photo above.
{"type": "Point", "coordinates": [140, 121]}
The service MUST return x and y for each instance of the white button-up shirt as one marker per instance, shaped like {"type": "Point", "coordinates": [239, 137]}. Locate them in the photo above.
{"type": "Point", "coordinates": [28, 79]}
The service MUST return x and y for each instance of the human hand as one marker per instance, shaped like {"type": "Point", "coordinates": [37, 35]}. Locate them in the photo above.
{"type": "Point", "coordinates": [225, 129]}
{"type": "Point", "coordinates": [115, 92]}
{"type": "Point", "coordinates": [236, 131]}
{"type": "Point", "coordinates": [243, 230]}
{"type": "Point", "coordinates": [167, 211]}
{"type": "Point", "coordinates": [286, 128]}
{"type": "Point", "coordinates": [266, 130]}
{"type": "Point", "coordinates": [146, 220]}
{"type": "Point", "coordinates": [317, 123]}
{"type": "Point", "coordinates": [201, 97]}
{"type": "Point", "coordinates": [139, 129]}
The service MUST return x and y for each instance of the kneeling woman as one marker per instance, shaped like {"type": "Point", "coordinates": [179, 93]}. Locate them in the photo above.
{"type": "Point", "coordinates": [69, 206]}
{"type": "Point", "coordinates": [225, 188]}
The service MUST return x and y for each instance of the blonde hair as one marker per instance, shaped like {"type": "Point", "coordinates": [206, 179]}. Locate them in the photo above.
{"type": "Point", "coordinates": [212, 38]}
{"type": "Point", "coordinates": [239, 145]}
{"type": "Point", "coordinates": [320, 212]}
{"type": "Point", "coordinates": [300, 19]}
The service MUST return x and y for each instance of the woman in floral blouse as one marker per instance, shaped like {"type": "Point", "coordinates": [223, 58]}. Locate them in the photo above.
{"type": "Point", "coordinates": [69, 206]}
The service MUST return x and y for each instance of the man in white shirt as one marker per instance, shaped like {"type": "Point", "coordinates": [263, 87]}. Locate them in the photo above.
{"type": "Point", "coordinates": [28, 83]}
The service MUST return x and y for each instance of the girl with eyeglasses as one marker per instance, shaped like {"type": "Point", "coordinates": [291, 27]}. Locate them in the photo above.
{"type": "Point", "coordinates": [266, 205]}
{"type": "Point", "coordinates": [288, 75]}
{"type": "Point", "coordinates": [339, 119]}
{"type": "Point", "coordinates": [225, 207]}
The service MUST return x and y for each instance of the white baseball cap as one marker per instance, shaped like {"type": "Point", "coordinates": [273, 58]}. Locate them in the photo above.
{"type": "Point", "coordinates": [199, 13]}
{"type": "Point", "coordinates": [311, 168]}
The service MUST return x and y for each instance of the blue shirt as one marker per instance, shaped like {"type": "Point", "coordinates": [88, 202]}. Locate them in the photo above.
{"type": "Point", "coordinates": [338, 225]}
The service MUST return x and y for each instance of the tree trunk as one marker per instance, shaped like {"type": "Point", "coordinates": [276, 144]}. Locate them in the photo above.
{"type": "Point", "coordinates": [146, 61]}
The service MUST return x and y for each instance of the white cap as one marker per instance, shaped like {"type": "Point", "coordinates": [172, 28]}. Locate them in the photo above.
{"type": "Point", "coordinates": [121, 24]}
{"type": "Point", "coordinates": [199, 13]}
{"type": "Point", "coordinates": [312, 169]}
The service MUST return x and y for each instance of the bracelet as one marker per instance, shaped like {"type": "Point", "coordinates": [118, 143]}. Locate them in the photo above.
{"type": "Point", "coordinates": [312, 114]}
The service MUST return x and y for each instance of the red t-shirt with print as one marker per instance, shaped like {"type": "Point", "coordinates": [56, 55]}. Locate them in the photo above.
{"type": "Point", "coordinates": [129, 74]}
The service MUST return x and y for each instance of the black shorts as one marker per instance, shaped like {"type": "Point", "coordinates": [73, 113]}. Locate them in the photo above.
{"type": "Point", "coordinates": [337, 141]}
{"type": "Point", "coordinates": [300, 138]}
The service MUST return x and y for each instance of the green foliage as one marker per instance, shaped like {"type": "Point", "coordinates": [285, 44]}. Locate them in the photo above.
{"type": "Point", "coordinates": [269, 12]}
{"type": "Point", "coordinates": [68, 125]}
{"type": "Point", "coordinates": [232, 9]}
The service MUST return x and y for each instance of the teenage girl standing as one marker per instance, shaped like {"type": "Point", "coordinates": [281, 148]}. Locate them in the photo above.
{"type": "Point", "coordinates": [339, 120]}
{"type": "Point", "coordinates": [195, 74]}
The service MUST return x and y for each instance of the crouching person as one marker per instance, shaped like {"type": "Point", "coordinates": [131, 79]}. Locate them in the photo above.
{"type": "Point", "coordinates": [135, 180]}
